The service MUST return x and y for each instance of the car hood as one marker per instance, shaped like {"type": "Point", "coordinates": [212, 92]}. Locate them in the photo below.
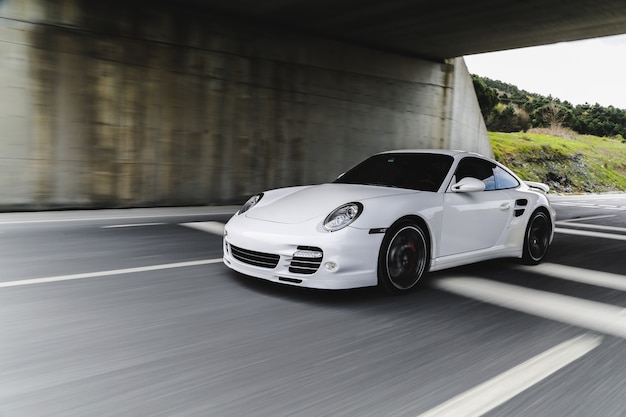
{"type": "Point", "coordinates": [318, 201]}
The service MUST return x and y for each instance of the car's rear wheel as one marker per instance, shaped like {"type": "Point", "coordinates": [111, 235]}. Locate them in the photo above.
{"type": "Point", "coordinates": [537, 238]}
{"type": "Point", "coordinates": [403, 257]}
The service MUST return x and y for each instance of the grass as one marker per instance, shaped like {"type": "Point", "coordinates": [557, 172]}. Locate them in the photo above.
{"type": "Point", "coordinates": [577, 164]}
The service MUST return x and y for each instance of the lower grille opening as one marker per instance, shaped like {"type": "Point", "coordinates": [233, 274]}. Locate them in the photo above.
{"type": "Point", "coordinates": [292, 280]}
{"type": "Point", "coordinates": [260, 259]}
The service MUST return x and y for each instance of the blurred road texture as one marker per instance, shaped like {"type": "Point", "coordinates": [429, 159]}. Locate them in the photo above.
{"type": "Point", "coordinates": [132, 313]}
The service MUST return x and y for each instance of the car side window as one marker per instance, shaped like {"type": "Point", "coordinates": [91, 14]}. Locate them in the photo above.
{"type": "Point", "coordinates": [479, 169]}
{"type": "Point", "coordinates": [504, 180]}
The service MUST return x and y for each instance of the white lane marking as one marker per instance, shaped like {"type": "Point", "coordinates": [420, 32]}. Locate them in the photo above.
{"type": "Point", "coordinates": [593, 226]}
{"type": "Point", "coordinates": [580, 219]}
{"type": "Point", "coordinates": [216, 228]}
{"type": "Point", "coordinates": [89, 219]}
{"type": "Point", "coordinates": [496, 391]}
{"type": "Point", "coordinates": [603, 318]}
{"type": "Point", "coordinates": [578, 204]}
{"type": "Point", "coordinates": [589, 205]}
{"type": "Point", "coordinates": [119, 226]}
{"type": "Point", "coordinates": [585, 276]}
{"type": "Point", "coordinates": [107, 273]}
{"type": "Point", "coordinates": [574, 197]}
{"type": "Point", "coordinates": [589, 233]}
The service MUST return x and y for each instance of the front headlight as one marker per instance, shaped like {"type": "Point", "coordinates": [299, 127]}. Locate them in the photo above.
{"type": "Point", "coordinates": [342, 216]}
{"type": "Point", "coordinates": [250, 203]}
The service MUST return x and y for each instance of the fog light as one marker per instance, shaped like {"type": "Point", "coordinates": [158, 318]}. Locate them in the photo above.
{"type": "Point", "coordinates": [331, 266]}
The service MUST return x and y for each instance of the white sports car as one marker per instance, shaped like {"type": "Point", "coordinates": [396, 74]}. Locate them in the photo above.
{"type": "Point", "coordinates": [389, 220]}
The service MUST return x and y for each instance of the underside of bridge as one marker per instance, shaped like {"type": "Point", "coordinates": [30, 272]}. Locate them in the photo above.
{"type": "Point", "coordinates": [184, 102]}
{"type": "Point", "coordinates": [437, 29]}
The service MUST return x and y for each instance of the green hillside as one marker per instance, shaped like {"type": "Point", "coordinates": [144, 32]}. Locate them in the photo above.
{"type": "Point", "coordinates": [582, 164]}
{"type": "Point", "coordinates": [506, 108]}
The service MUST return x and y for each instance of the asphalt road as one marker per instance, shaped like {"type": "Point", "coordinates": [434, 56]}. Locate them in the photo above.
{"type": "Point", "coordinates": [131, 313]}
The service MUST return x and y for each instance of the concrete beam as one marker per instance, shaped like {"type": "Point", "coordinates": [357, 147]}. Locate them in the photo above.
{"type": "Point", "coordinates": [435, 29]}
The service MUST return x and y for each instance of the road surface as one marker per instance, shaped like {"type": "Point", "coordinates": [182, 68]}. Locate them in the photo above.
{"type": "Point", "coordinates": [131, 313]}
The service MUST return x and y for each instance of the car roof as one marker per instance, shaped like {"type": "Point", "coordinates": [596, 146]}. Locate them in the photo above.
{"type": "Point", "coordinates": [449, 152]}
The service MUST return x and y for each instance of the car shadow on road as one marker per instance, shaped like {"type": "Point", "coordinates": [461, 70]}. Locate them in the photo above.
{"type": "Point", "coordinates": [370, 297]}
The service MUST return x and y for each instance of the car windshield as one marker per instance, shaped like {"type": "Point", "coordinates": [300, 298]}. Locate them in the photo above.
{"type": "Point", "coordinates": [416, 171]}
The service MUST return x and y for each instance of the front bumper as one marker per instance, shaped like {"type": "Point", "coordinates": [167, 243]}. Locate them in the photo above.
{"type": "Point", "coordinates": [349, 256]}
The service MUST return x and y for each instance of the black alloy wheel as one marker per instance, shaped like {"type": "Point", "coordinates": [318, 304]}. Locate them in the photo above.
{"type": "Point", "coordinates": [403, 258]}
{"type": "Point", "coordinates": [537, 238]}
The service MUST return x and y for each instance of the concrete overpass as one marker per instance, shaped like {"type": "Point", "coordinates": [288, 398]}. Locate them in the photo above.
{"type": "Point", "coordinates": [436, 29]}
{"type": "Point", "coordinates": [141, 103]}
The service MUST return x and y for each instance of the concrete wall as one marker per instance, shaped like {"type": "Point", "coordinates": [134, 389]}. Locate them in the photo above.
{"type": "Point", "coordinates": [467, 126]}
{"type": "Point", "coordinates": [108, 104]}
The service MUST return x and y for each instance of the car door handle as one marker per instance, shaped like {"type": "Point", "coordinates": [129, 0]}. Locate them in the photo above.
{"type": "Point", "coordinates": [505, 206]}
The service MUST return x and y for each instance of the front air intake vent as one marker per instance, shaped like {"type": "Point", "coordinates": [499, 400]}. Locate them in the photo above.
{"type": "Point", "coordinates": [306, 260]}
{"type": "Point", "coordinates": [263, 260]}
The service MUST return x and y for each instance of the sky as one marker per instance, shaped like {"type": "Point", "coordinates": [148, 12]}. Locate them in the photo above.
{"type": "Point", "coordinates": [588, 71]}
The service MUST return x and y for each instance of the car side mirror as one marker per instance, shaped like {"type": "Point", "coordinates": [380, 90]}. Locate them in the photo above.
{"type": "Point", "coordinates": [468, 185]}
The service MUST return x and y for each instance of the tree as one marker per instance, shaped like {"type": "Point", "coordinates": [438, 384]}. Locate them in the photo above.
{"type": "Point", "coordinates": [507, 119]}
{"type": "Point", "coordinates": [487, 96]}
{"type": "Point", "coordinates": [553, 115]}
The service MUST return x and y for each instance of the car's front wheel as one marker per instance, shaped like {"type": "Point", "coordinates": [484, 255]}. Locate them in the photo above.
{"type": "Point", "coordinates": [403, 257]}
{"type": "Point", "coordinates": [537, 238]}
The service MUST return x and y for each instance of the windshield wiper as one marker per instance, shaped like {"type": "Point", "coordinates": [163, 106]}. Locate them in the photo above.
{"type": "Point", "coordinates": [381, 184]}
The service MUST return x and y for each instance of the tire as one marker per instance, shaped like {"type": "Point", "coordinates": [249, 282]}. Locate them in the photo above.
{"type": "Point", "coordinates": [536, 238]}
{"type": "Point", "coordinates": [403, 258]}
